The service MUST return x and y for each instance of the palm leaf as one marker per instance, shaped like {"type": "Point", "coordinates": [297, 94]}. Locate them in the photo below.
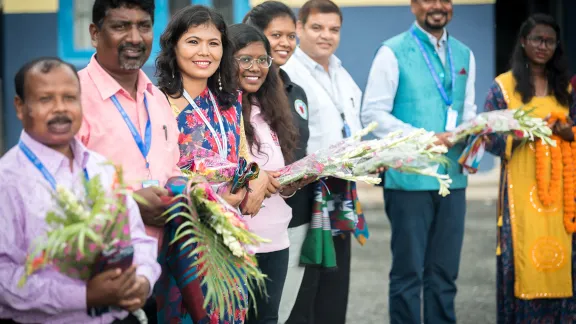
{"type": "Point", "coordinates": [220, 271]}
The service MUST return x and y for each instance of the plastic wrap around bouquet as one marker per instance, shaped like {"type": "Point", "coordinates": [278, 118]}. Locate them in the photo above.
{"type": "Point", "coordinates": [207, 262]}
{"type": "Point", "coordinates": [356, 160]}
{"type": "Point", "coordinates": [336, 161]}
{"type": "Point", "coordinates": [215, 169]}
{"type": "Point", "coordinates": [415, 153]}
{"type": "Point", "coordinates": [515, 122]}
{"type": "Point", "coordinates": [86, 235]}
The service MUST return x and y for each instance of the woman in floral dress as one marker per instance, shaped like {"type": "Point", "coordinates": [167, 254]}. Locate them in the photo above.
{"type": "Point", "coordinates": [195, 69]}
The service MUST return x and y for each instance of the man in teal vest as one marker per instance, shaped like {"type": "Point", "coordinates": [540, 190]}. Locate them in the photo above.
{"type": "Point", "coordinates": [423, 78]}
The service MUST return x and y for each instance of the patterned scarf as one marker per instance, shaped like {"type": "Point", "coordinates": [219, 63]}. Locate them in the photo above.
{"type": "Point", "coordinates": [336, 210]}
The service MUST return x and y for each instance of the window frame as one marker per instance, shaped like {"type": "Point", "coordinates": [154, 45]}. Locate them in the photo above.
{"type": "Point", "coordinates": [81, 57]}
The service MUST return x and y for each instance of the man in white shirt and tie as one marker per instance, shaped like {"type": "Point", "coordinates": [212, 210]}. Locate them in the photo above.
{"type": "Point", "coordinates": [334, 104]}
{"type": "Point", "coordinates": [423, 78]}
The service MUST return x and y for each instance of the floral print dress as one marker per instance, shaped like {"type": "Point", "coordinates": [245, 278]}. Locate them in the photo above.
{"type": "Point", "coordinates": [177, 280]}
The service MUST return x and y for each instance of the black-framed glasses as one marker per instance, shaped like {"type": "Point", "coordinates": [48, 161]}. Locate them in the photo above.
{"type": "Point", "coordinates": [536, 41]}
{"type": "Point", "coordinates": [246, 62]}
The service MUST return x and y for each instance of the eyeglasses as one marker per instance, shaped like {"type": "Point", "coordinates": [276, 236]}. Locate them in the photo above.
{"type": "Point", "coordinates": [537, 41]}
{"type": "Point", "coordinates": [246, 62]}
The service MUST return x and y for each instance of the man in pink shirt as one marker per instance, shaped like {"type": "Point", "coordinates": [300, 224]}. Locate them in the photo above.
{"type": "Point", "coordinates": [126, 118]}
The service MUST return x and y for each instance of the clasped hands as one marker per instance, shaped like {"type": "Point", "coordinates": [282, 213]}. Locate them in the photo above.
{"type": "Point", "coordinates": [560, 128]}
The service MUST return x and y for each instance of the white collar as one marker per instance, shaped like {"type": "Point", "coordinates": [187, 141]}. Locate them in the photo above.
{"type": "Point", "coordinates": [433, 38]}
{"type": "Point", "coordinates": [333, 63]}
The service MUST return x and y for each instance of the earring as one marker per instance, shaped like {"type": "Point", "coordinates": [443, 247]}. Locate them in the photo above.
{"type": "Point", "coordinates": [219, 82]}
{"type": "Point", "coordinates": [172, 74]}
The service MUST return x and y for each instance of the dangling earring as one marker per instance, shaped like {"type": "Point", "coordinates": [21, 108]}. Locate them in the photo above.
{"type": "Point", "coordinates": [219, 82]}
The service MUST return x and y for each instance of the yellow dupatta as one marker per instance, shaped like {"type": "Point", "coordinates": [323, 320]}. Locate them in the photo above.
{"type": "Point", "coordinates": [542, 248]}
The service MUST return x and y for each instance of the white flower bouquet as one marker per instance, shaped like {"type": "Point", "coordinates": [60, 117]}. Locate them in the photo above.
{"type": "Point", "coordinates": [216, 243]}
{"type": "Point", "coordinates": [335, 161]}
{"type": "Point", "coordinates": [517, 122]}
{"type": "Point", "coordinates": [414, 153]}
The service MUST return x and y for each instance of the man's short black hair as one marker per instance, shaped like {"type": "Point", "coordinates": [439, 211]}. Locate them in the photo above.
{"type": "Point", "coordinates": [101, 7]}
{"type": "Point", "coordinates": [46, 65]}
{"type": "Point", "coordinates": [318, 6]}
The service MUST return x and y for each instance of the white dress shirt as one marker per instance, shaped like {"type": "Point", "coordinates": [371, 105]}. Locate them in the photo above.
{"type": "Point", "coordinates": [383, 83]}
{"type": "Point", "coordinates": [330, 94]}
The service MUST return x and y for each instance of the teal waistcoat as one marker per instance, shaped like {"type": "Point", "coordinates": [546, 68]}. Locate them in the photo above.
{"type": "Point", "coordinates": [419, 103]}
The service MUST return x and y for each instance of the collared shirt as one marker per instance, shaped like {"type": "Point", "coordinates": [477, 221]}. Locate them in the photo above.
{"type": "Point", "coordinates": [272, 221]}
{"type": "Point", "coordinates": [383, 83]}
{"type": "Point", "coordinates": [25, 198]}
{"type": "Point", "coordinates": [301, 202]}
{"type": "Point", "coordinates": [330, 95]}
{"type": "Point", "coordinates": [105, 131]}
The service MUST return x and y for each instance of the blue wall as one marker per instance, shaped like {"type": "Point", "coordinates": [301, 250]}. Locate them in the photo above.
{"type": "Point", "coordinates": [26, 37]}
{"type": "Point", "coordinates": [365, 28]}
{"type": "Point", "coordinates": [31, 35]}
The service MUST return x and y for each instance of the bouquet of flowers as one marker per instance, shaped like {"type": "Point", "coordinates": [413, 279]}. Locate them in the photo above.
{"type": "Point", "coordinates": [86, 235]}
{"type": "Point", "coordinates": [215, 243]}
{"type": "Point", "coordinates": [355, 160]}
{"type": "Point", "coordinates": [517, 122]}
{"type": "Point", "coordinates": [335, 161]}
{"type": "Point", "coordinates": [215, 169]}
{"type": "Point", "coordinates": [82, 230]}
{"type": "Point", "coordinates": [414, 153]}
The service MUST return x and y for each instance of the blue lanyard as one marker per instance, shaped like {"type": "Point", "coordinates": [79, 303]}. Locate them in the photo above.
{"type": "Point", "coordinates": [40, 166]}
{"type": "Point", "coordinates": [439, 84]}
{"type": "Point", "coordinates": [143, 146]}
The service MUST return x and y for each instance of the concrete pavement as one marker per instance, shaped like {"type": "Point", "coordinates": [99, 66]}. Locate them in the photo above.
{"type": "Point", "coordinates": [476, 299]}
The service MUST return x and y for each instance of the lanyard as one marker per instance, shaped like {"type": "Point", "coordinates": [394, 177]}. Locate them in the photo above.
{"type": "Point", "coordinates": [439, 85]}
{"type": "Point", "coordinates": [40, 166]}
{"type": "Point", "coordinates": [346, 132]}
{"type": "Point", "coordinates": [143, 146]}
{"type": "Point", "coordinates": [222, 145]}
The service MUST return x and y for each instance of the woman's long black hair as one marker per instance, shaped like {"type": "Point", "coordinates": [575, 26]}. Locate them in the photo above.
{"type": "Point", "coordinates": [556, 68]}
{"type": "Point", "coordinates": [261, 15]}
{"type": "Point", "coordinates": [167, 71]}
{"type": "Point", "coordinates": [271, 96]}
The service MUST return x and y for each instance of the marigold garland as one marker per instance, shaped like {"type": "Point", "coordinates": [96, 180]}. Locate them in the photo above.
{"type": "Point", "coordinates": [562, 158]}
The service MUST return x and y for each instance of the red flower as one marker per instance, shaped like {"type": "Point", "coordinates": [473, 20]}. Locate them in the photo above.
{"type": "Point", "coordinates": [519, 133]}
{"type": "Point", "coordinates": [184, 138]}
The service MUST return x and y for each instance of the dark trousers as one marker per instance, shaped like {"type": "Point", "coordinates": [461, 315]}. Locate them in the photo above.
{"type": "Point", "coordinates": [427, 234]}
{"type": "Point", "coordinates": [275, 266]}
{"type": "Point", "coordinates": [323, 295]}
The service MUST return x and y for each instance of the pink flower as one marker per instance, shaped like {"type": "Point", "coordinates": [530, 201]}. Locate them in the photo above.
{"type": "Point", "coordinates": [519, 133]}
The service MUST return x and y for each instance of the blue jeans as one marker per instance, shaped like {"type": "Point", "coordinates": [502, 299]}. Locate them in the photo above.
{"type": "Point", "coordinates": [274, 265]}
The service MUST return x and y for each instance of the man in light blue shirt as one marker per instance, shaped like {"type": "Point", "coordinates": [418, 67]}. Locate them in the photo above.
{"type": "Point", "coordinates": [423, 78]}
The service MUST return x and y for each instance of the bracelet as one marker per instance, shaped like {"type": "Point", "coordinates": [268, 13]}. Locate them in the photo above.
{"type": "Point", "coordinates": [286, 197]}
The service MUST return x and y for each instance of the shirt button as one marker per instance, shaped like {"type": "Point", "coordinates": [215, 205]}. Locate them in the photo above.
{"type": "Point", "coordinates": [442, 75]}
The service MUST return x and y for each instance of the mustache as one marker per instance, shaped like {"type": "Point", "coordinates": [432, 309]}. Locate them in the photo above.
{"type": "Point", "coordinates": [60, 119]}
{"type": "Point", "coordinates": [137, 47]}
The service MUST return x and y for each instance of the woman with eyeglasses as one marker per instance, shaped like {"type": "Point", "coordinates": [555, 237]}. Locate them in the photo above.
{"type": "Point", "coordinates": [196, 70]}
{"type": "Point", "coordinates": [535, 252]}
{"type": "Point", "coordinates": [272, 140]}
{"type": "Point", "coordinates": [278, 22]}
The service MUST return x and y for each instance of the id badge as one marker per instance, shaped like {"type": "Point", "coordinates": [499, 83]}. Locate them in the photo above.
{"type": "Point", "coordinates": [150, 183]}
{"type": "Point", "coordinates": [451, 119]}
